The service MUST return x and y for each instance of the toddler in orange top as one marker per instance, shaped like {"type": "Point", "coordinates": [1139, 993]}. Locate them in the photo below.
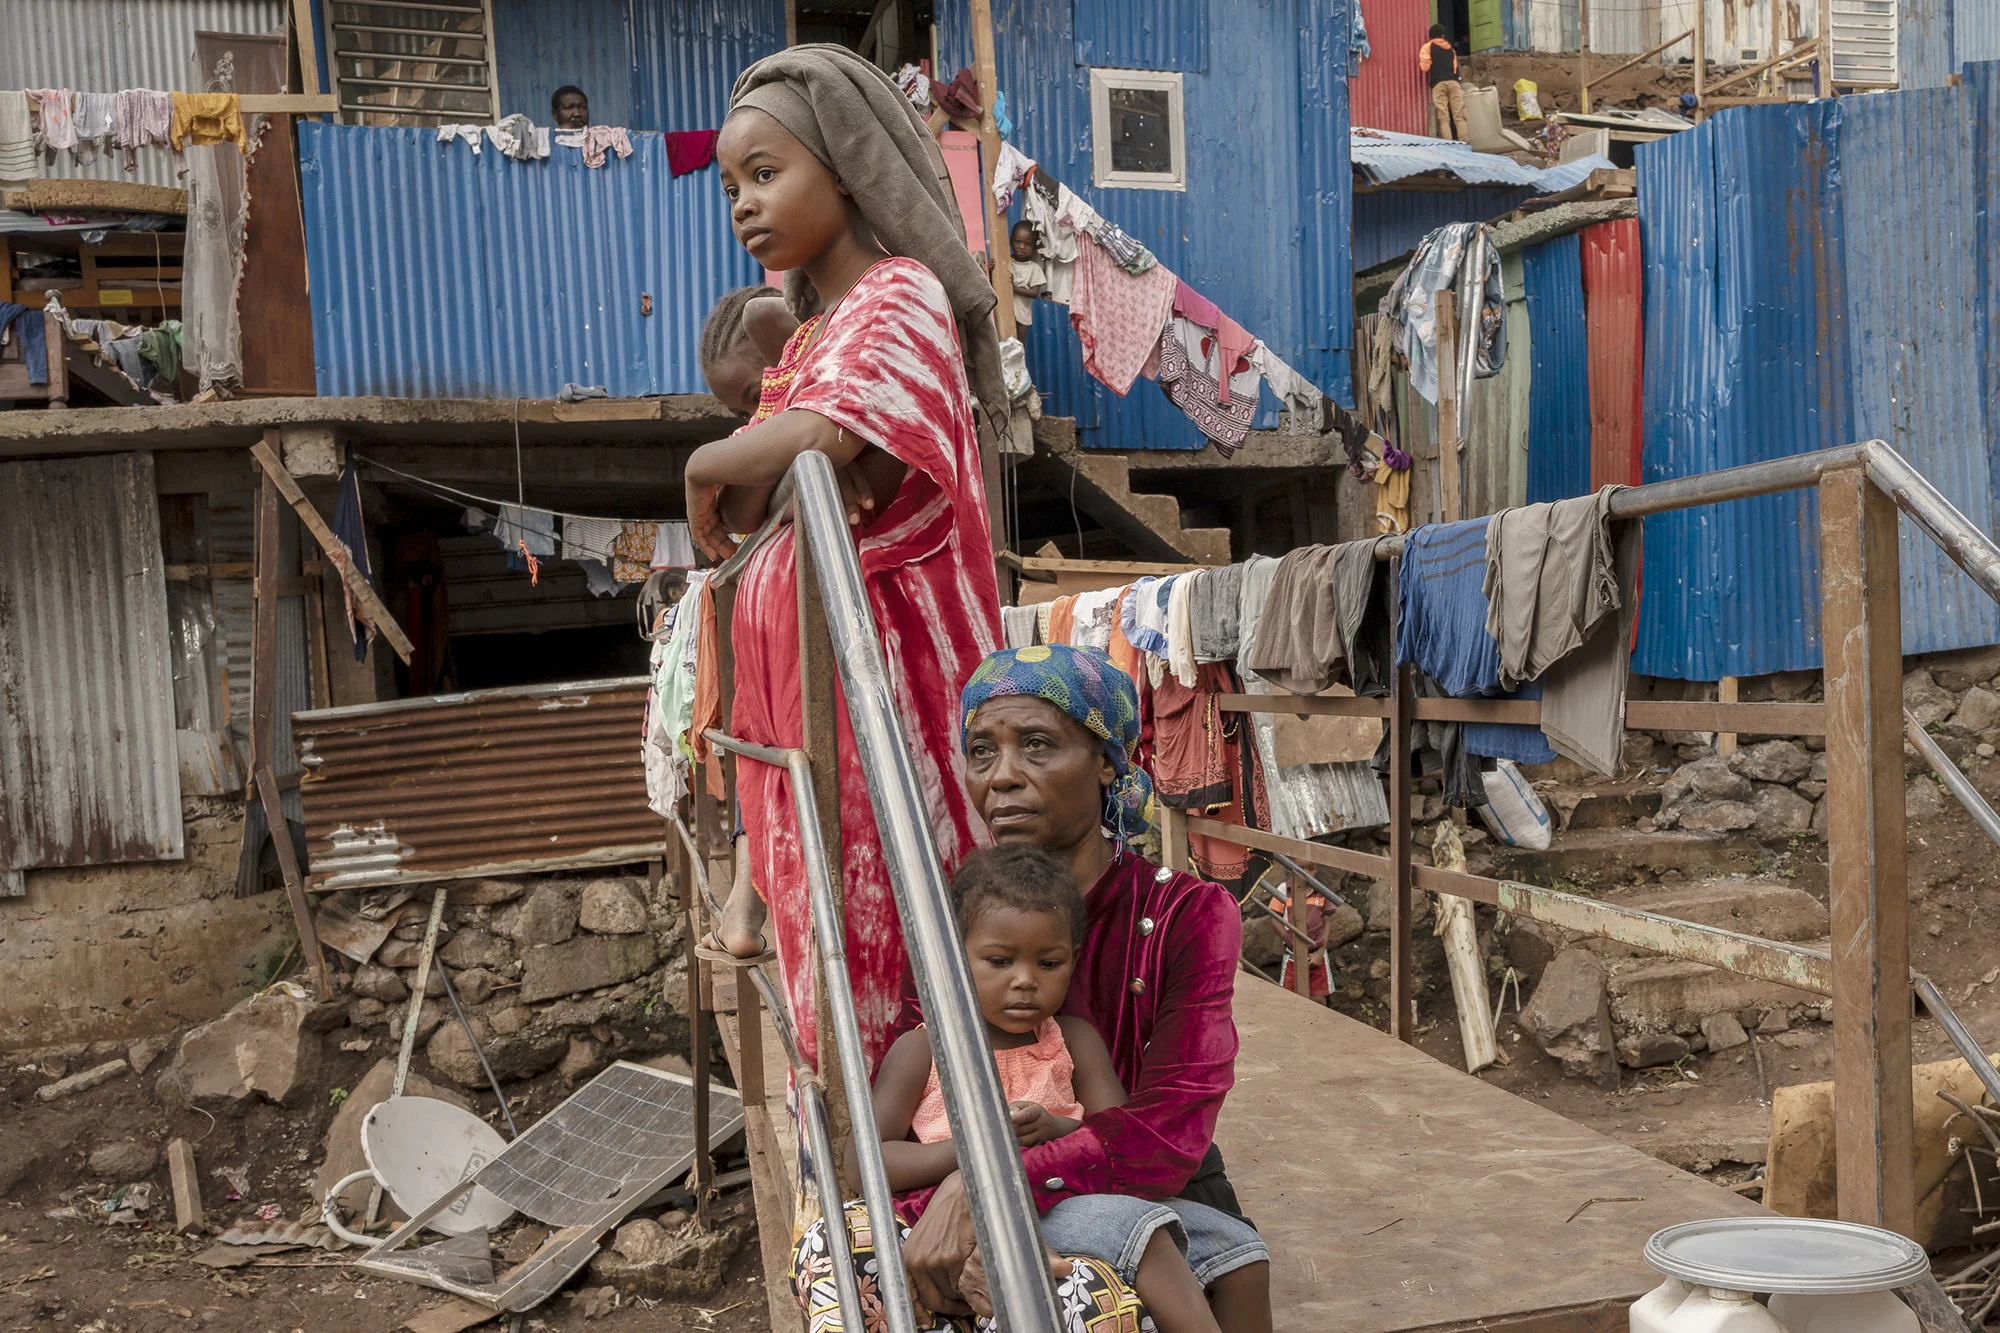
{"type": "Point", "coordinates": [1022, 917]}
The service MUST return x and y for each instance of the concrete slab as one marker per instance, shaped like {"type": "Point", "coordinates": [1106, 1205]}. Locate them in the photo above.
{"type": "Point", "coordinates": [1399, 1194]}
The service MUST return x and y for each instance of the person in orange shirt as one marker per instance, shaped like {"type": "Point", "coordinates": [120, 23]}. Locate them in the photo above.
{"type": "Point", "coordinates": [1439, 60]}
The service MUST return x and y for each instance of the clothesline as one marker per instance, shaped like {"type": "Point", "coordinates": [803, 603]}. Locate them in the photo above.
{"type": "Point", "coordinates": [518, 137]}
{"type": "Point", "coordinates": [453, 493]}
{"type": "Point", "coordinates": [41, 122]}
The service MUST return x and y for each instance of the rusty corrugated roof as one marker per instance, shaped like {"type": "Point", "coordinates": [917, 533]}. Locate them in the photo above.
{"type": "Point", "coordinates": [533, 778]}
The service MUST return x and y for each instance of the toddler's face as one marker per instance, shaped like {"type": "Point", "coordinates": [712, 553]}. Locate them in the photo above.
{"type": "Point", "coordinates": [1021, 965]}
{"type": "Point", "coordinates": [1022, 245]}
{"type": "Point", "coordinates": [738, 380]}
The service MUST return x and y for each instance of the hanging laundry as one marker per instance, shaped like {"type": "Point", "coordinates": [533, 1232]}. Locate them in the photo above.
{"type": "Point", "coordinates": [519, 138]}
{"type": "Point", "coordinates": [1391, 488]}
{"type": "Point", "coordinates": [532, 532]}
{"type": "Point", "coordinates": [1017, 626]}
{"type": "Point", "coordinates": [632, 551]}
{"type": "Point", "coordinates": [27, 325]}
{"type": "Point", "coordinates": [597, 577]}
{"type": "Point", "coordinates": [143, 118]}
{"type": "Point", "coordinates": [1180, 629]}
{"type": "Point", "coordinates": [96, 116]}
{"type": "Point", "coordinates": [124, 353]}
{"type": "Point", "coordinates": [1055, 241]}
{"type": "Point", "coordinates": [670, 704]}
{"type": "Point", "coordinates": [1062, 619]}
{"type": "Point", "coordinates": [1092, 617]}
{"type": "Point", "coordinates": [598, 138]}
{"type": "Point", "coordinates": [1118, 316]}
{"type": "Point", "coordinates": [1442, 629]}
{"type": "Point", "coordinates": [1233, 344]}
{"type": "Point", "coordinates": [916, 86]}
{"type": "Point", "coordinates": [1295, 393]}
{"type": "Point", "coordinates": [1357, 43]}
{"type": "Point", "coordinates": [960, 98]}
{"type": "Point", "coordinates": [1001, 120]}
{"type": "Point", "coordinates": [590, 539]}
{"type": "Point", "coordinates": [1196, 393]}
{"type": "Point", "coordinates": [18, 160]}
{"type": "Point", "coordinates": [1008, 172]}
{"type": "Point", "coordinates": [474, 136]}
{"type": "Point", "coordinates": [689, 150]}
{"type": "Point", "coordinates": [1411, 306]}
{"type": "Point", "coordinates": [1560, 597]}
{"type": "Point", "coordinates": [161, 347]}
{"type": "Point", "coordinates": [1212, 609]}
{"type": "Point", "coordinates": [206, 118]}
{"type": "Point", "coordinates": [1042, 619]}
{"type": "Point", "coordinates": [1326, 622]}
{"type": "Point", "coordinates": [57, 126]}
{"type": "Point", "coordinates": [1142, 617]}
{"type": "Point", "coordinates": [673, 546]}
{"type": "Point", "coordinates": [349, 526]}
{"type": "Point", "coordinates": [1191, 304]}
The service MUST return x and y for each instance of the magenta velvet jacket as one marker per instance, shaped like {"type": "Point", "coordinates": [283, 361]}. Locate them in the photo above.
{"type": "Point", "coordinates": [1156, 978]}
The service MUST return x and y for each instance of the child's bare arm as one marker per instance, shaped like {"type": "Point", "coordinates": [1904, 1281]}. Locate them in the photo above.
{"type": "Point", "coordinates": [899, 1088]}
{"type": "Point", "coordinates": [1097, 1085]}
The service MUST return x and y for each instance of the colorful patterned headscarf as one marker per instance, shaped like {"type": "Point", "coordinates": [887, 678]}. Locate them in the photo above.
{"type": "Point", "coordinates": [1082, 683]}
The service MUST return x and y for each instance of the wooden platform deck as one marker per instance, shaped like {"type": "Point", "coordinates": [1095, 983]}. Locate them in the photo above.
{"type": "Point", "coordinates": [1400, 1194]}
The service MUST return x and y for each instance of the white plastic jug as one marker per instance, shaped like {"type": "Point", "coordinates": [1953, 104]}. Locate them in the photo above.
{"type": "Point", "coordinates": [1650, 1313]}
{"type": "Point", "coordinates": [1713, 1310]}
{"type": "Point", "coordinates": [1862, 1312]}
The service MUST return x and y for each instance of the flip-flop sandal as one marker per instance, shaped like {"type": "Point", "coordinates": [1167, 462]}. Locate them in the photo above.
{"type": "Point", "coordinates": [715, 953]}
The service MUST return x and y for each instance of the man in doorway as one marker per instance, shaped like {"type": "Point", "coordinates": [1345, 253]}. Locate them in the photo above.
{"type": "Point", "coordinates": [1440, 61]}
{"type": "Point", "coordinates": [570, 107]}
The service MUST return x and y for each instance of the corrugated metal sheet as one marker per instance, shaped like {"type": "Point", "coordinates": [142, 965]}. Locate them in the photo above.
{"type": "Point", "coordinates": [1914, 319]}
{"type": "Point", "coordinates": [1496, 426]}
{"type": "Point", "coordinates": [1559, 394]}
{"type": "Point", "coordinates": [1390, 92]}
{"type": "Point", "coordinates": [89, 772]}
{"type": "Point", "coordinates": [541, 777]}
{"type": "Point", "coordinates": [1383, 157]}
{"type": "Point", "coordinates": [1629, 27]}
{"type": "Point", "coordinates": [1263, 226]}
{"type": "Point", "coordinates": [407, 239]}
{"type": "Point", "coordinates": [1745, 360]}
{"type": "Point", "coordinates": [1936, 38]}
{"type": "Point", "coordinates": [1389, 223]}
{"type": "Point", "coordinates": [1975, 31]}
{"type": "Point", "coordinates": [1614, 296]}
{"type": "Point", "coordinates": [105, 46]}
{"type": "Point", "coordinates": [1160, 34]}
{"type": "Point", "coordinates": [686, 56]}
{"type": "Point", "coordinates": [538, 48]}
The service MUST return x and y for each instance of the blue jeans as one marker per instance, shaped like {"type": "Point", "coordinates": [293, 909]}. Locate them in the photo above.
{"type": "Point", "coordinates": [1116, 1228]}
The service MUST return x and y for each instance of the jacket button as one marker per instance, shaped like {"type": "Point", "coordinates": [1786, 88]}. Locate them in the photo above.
{"type": "Point", "coordinates": [1145, 925]}
{"type": "Point", "coordinates": [1138, 985]}
{"type": "Point", "coordinates": [1053, 1183]}
{"type": "Point", "coordinates": [1162, 875]}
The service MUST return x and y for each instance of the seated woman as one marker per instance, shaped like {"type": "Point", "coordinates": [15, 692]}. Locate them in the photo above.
{"type": "Point", "coordinates": [1048, 735]}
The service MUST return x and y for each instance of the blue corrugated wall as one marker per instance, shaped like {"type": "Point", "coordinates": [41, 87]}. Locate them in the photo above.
{"type": "Point", "coordinates": [646, 64]}
{"type": "Point", "coordinates": [1389, 223]}
{"type": "Point", "coordinates": [1559, 391]}
{"type": "Point", "coordinates": [437, 274]}
{"type": "Point", "coordinates": [1263, 226]}
{"type": "Point", "coordinates": [1805, 288]}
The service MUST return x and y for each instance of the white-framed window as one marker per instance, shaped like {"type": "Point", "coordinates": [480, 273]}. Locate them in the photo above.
{"type": "Point", "coordinates": [1138, 133]}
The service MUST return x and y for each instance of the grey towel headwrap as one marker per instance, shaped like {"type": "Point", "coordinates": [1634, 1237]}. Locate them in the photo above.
{"type": "Point", "coordinates": [856, 121]}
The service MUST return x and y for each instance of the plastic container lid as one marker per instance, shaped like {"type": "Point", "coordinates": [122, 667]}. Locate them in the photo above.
{"type": "Point", "coordinates": [1791, 1254]}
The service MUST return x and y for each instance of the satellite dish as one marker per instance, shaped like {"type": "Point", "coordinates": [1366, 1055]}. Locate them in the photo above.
{"type": "Point", "coordinates": [419, 1147]}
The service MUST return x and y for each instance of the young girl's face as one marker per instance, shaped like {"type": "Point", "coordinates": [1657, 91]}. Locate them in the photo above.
{"type": "Point", "coordinates": [785, 206]}
{"type": "Point", "coordinates": [1021, 964]}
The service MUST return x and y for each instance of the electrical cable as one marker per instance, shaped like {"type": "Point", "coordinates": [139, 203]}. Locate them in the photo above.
{"type": "Point", "coordinates": [451, 993]}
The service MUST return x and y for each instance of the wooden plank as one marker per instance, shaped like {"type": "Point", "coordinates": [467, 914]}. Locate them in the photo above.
{"type": "Point", "coordinates": [265, 452]}
{"type": "Point", "coordinates": [263, 693]}
{"type": "Point", "coordinates": [1318, 705]}
{"type": "Point", "coordinates": [290, 104]}
{"type": "Point", "coordinates": [983, 67]}
{"type": "Point", "coordinates": [1305, 853]}
{"type": "Point", "coordinates": [305, 40]}
{"type": "Point", "coordinates": [1449, 434]}
{"type": "Point", "coordinates": [1174, 825]}
{"type": "Point", "coordinates": [38, 196]}
{"type": "Point", "coordinates": [1402, 966]}
{"type": "Point", "coordinates": [56, 356]}
{"type": "Point", "coordinates": [1759, 719]}
{"type": "Point", "coordinates": [1400, 1194]}
{"type": "Point", "coordinates": [1867, 875]}
{"type": "Point", "coordinates": [1725, 741]}
{"type": "Point", "coordinates": [277, 312]}
{"type": "Point", "coordinates": [186, 1186]}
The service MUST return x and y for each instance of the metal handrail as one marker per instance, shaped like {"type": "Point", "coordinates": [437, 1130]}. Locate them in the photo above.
{"type": "Point", "coordinates": [1003, 1210]}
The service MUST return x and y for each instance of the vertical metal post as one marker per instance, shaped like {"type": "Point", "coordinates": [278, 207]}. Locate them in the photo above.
{"type": "Point", "coordinates": [819, 737]}
{"type": "Point", "coordinates": [1874, 1136]}
{"type": "Point", "coordinates": [693, 922]}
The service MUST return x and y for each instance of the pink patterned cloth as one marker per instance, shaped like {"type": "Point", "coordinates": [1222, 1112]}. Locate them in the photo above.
{"type": "Point", "coordinates": [1118, 316]}
{"type": "Point", "coordinates": [887, 367]}
{"type": "Point", "coordinates": [58, 126]}
{"type": "Point", "coordinates": [597, 138]}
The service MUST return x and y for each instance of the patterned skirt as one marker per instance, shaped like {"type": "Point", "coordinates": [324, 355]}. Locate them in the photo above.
{"type": "Point", "coordinates": [1092, 1299]}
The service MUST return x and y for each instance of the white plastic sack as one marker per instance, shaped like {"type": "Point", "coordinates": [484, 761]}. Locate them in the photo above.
{"type": "Point", "coordinates": [1513, 812]}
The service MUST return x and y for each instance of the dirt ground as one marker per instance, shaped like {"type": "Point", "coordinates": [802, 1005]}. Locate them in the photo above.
{"type": "Point", "coordinates": [1557, 79]}
{"type": "Point", "coordinates": [63, 1267]}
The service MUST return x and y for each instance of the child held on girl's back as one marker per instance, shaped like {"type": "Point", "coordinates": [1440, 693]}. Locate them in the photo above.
{"type": "Point", "coordinates": [1021, 916]}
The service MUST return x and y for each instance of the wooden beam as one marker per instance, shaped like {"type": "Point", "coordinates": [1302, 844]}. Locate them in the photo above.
{"type": "Point", "coordinates": [126, 196]}
{"type": "Point", "coordinates": [289, 104]}
{"type": "Point", "coordinates": [1700, 50]}
{"type": "Point", "coordinates": [305, 40]}
{"type": "Point", "coordinates": [265, 452]}
{"type": "Point", "coordinates": [263, 696]}
{"type": "Point", "coordinates": [1402, 884]}
{"type": "Point", "coordinates": [1867, 875]}
{"type": "Point", "coordinates": [1449, 415]}
{"type": "Point", "coordinates": [989, 158]}
{"type": "Point", "coordinates": [56, 356]}
{"type": "Point", "coordinates": [1725, 741]}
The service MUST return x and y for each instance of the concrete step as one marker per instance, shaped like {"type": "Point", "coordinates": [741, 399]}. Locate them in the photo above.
{"type": "Point", "coordinates": [1601, 805]}
{"type": "Point", "coordinates": [1670, 995]}
{"type": "Point", "coordinates": [1598, 857]}
{"type": "Point", "coordinates": [1150, 524]}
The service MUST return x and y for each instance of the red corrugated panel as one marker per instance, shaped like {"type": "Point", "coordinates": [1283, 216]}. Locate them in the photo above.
{"type": "Point", "coordinates": [1390, 92]}
{"type": "Point", "coordinates": [1613, 318]}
